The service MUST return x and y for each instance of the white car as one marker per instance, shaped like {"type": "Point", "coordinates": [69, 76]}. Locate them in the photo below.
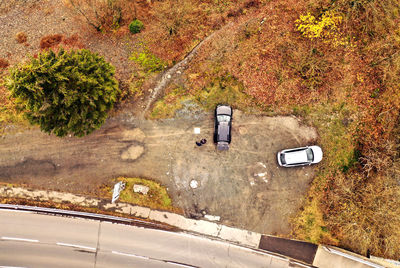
{"type": "Point", "coordinates": [300, 156]}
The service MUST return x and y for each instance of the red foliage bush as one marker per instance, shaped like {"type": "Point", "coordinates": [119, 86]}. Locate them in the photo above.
{"type": "Point", "coordinates": [50, 41]}
{"type": "Point", "coordinates": [3, 63]}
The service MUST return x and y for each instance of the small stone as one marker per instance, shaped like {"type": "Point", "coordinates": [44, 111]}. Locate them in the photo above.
{"type": "Point", "coordinates": [138, 188]}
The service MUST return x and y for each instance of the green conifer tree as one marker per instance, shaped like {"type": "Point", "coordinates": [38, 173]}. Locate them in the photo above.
{"type": "Point", "coordinates": [69, 92]}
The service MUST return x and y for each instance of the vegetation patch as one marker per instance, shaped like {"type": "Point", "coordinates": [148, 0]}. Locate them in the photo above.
{"type": "Point", "coordinates": [147, 61]}
{"type": "Point", "coordinates": [64, 93]}
{"type": "Point", "coordinates": [169, 104]}
{"type": "Point", "coordinates": [51, 40]}
{"type": "Point", "coordinates": [156, 198]}
{"type": "Point", "coordinates": [9, 114]}
{"type": "Point", "coordinates": [224, 89]}
{"type": "Point", "coordinates": [136, 26]}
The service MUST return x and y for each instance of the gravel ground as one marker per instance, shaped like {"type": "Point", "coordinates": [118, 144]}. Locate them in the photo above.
{"type": "Point", "coordinates": [243, 186]}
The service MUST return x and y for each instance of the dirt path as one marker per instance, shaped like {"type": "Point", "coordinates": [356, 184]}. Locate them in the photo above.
{"type": "Point", "coordinates": [243, 186]}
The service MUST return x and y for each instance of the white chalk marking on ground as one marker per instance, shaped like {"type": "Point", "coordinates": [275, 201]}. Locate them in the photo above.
{"type": "Point", "coordinates": [75, 246]}
{"type": "Point", "coordinates": [19, 239]}
{"type": "Point", "coordinates": [196, 130]}
{"type": "Point", "coordinates": [262, 164]}
{"type": "Point", "coordinates": [130, 255]}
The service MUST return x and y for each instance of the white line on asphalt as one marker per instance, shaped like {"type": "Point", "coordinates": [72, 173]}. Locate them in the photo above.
{"type": "Point", "coordinates": [75, 246]}
{"type": "Point", "coordinates": [13, 210]}
{"type": "Point", "coordinates": [11, 267]}
{"type": "Point", "coordinates": [19, 239]}
{"type": "Point", "coordinates": [130, 255]}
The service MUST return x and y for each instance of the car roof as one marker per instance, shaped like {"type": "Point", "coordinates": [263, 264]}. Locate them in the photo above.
{"type": "Point", "coordinates": [296, 157]}
{"type": "Point", "coordinates": [223, 131]}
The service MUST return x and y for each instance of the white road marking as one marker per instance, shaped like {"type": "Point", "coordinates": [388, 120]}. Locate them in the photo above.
{"type": "Point", "coordinates": [19, 239]}
{"type": "Point", "coordinates": [11, 267]}
{"type": "Point", "coordinates": [75, 246]}
{"type": "Point", "coordinates": [130, 255]}
{"type": "Point", "coordinates": [14, 210]}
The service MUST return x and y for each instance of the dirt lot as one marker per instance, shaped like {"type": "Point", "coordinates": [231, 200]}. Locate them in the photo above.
{"type": "Point", "coordinates": [244, 185]}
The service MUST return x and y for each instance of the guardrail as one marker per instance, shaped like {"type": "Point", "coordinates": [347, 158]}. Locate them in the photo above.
{"type": "Point", "coordinates": [87, 215]}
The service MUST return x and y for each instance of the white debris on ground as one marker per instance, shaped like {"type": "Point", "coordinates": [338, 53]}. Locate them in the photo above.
{"type": "Point", "coordinates": [212, 217]}
{"type": "Point", "coordinates": [196, 130]}
{"type": "Point", "coordinates": [194, 184]}
{"type": "Point", "coordinates": [137, 188]}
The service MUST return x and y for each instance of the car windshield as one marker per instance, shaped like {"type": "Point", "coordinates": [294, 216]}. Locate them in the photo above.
{"type": "Point", "coordinates": [223, 118]}
{"type": "Point", "coordinates": [283, 159]}
{"type": "Point", "coordinates": [310, 155]}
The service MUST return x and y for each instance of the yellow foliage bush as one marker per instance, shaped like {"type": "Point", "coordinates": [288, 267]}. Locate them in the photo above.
{"type": "Point", "coordinates": [325, 28]}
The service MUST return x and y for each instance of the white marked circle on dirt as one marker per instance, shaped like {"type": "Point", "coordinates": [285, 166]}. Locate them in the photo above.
{"type": "Point", "coordinates": [133, 152]}
{"type": "Point", "coordinates": [194, 184]}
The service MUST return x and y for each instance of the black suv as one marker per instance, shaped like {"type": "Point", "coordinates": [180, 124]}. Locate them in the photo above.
{"type": "Point", "coordinates": [223, 126]}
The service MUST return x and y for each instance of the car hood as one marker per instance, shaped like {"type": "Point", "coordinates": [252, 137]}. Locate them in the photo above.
{"type": "Point", "coordinates": [317, 151]}
{"type": "Point", "coordinates": [224, 110]}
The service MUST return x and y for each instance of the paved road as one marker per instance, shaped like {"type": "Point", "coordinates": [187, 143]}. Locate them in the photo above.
{"type": "Point", "coordinates": [34, 240]}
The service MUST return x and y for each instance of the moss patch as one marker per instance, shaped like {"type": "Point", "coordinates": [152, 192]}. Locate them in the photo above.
{"type": "Point", "coordinates": [223, 89]}
{"type": "Point", "coordinates": [156, 198]}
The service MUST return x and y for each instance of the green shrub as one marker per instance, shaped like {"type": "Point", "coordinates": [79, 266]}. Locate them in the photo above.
{"type": "Point", "coordinates": [149, 62]}
{"type": "Point", "coordinates": [135, 26]}
{"type": "Point", "coordinates": [63, 93]}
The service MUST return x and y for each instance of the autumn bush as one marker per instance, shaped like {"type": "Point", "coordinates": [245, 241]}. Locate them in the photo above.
{"type": "Point", "coordinates": [4, 63]}
{"type": "Point", "coordinates": [49, 41]}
